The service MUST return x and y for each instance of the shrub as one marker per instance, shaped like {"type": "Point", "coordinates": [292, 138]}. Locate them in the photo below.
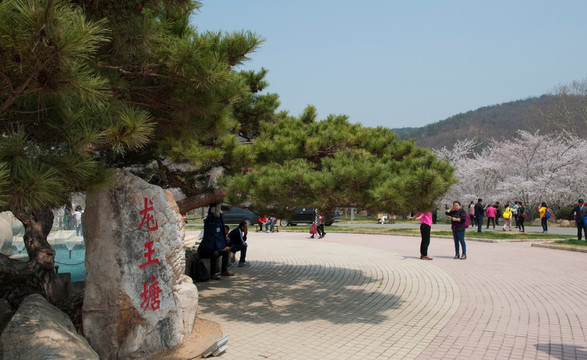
{"type": "Point", "coordinates": [565, 213]}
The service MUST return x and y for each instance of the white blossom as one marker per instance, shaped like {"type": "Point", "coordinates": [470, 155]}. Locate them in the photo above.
{"type": "Point", "coordinates": [531, 168]}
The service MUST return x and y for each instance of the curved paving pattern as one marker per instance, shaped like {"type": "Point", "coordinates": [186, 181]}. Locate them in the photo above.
{"type": "Point", "coordinates": [313, 300]}
{"type": "Point", "coordinates": [369, 297]}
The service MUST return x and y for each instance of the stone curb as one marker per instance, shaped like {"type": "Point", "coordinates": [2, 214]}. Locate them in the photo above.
{"type": "Point", "coordinates": [495, 241]}
{"type": "Point", "coordinates": [561, 247]}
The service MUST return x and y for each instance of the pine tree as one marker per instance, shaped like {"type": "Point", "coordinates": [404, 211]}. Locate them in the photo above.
{"type": "Point", "coordinates": [90, 85]}
{"type": "Point", "coordinates": [333, 163]}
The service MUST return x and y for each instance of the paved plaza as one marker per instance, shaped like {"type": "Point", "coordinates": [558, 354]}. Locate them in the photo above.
{"type": "Point", "coordinates": [351, 296]}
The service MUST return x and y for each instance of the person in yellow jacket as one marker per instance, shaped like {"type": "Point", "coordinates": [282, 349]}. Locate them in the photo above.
{"type": "Point", "coordinates": [544, 215]}
{"type": "Point", "coordinates": [508, 214]}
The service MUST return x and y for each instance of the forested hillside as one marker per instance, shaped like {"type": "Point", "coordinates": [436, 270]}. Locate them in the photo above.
{"type": "Point", "coordinates": [496, 121]}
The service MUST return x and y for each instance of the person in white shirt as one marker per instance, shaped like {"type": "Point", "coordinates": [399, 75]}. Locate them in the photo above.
{"type": "Point", "coordinates": [78, 220]}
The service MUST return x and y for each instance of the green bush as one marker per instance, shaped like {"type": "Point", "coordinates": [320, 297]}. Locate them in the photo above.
{"type": "Point", "coordinates": [565, 213]}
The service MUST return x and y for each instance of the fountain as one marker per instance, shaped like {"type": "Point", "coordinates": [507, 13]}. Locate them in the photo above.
{"type": "Point", "coordinates": [70, 244]}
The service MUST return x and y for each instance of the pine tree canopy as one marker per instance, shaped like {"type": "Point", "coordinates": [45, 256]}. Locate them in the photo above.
{"type": "Point", "coordinates": [87, 86]}
{"type": "Point", "coordinates": [333, 163]}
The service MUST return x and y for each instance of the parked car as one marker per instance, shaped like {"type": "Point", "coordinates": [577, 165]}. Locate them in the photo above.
{"type": "Point", "coordinates": [234, 216]}
{"type": "Point", "coordinates": [306, 216]}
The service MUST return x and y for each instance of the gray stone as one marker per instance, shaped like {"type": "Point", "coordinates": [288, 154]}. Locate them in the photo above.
{"type": "Point", "coordinates": [15, 225]}
{"type": "Point", "coordinates": [5, 235]}
{"type": "Point", "coordinates": [5, 314]}
{"type": "Point", "coordinates": [126, 229]}
{"type": "Point", "coordinates": [38, 330]}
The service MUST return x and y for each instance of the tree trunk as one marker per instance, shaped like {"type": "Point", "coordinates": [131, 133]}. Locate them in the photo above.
{"type": "Point", "coordinates": [19, 279]}
{"type": "Point", "coordinates": [201, 200]}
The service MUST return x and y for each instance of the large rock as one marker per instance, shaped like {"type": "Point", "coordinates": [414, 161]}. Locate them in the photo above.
{"type": "Point", "coordinates": [16, 226]}
{"type": "Point", "coordinates": [5, 314]}
{"type": "Point", "coordinates": [137, 297]}
{"type": "Point", "coordinates": [5, 235]}
{"type": "Point", "coordinates": [38, 330]}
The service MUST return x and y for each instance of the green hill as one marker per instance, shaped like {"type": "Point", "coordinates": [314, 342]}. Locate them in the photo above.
{"type": "Point", "coordinates": [496, 121]}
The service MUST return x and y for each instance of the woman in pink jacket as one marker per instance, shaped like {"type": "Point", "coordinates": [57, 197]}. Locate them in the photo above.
{"type": "Point", "coordinates": [491, 212]}
{"type": "Point", "coordinates": [425, 227]}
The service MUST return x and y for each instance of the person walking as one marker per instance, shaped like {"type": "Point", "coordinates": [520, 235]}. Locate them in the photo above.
{"type": "Point", "coordinates": [544, 215]}
{"type": "Point", "coordinates": [479, 213]}
{"type": "Point", "coordinates": [321, 222]}
{"type": "Point", "coordinates": [425, 227]}
{"type": "Point", "coordinates": [313, 229]}
{"type": "Point", "coordinates": [579, 212]}
{"type": "Point", "coordinates": [457, 219]}
{"type": "Point", "coordinates": [522, 215]}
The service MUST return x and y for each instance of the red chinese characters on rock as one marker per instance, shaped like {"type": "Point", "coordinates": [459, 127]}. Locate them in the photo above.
{"type": "Point", "coordinates": [148, 254]}
{"type": "Point", "coordinates": [150, 294]}
{"type": "Point", "coordinates": [147, 217]}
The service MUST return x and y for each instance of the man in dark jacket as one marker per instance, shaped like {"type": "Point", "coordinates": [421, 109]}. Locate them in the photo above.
{"type": "Point", "coordinates": [479, 213]}
{"type": "Point", "coordinates": [237, 240]}
{"type": "Point", "coordinates": [580, 211]}
{"type": "Point", "coordinates": [214, 245]}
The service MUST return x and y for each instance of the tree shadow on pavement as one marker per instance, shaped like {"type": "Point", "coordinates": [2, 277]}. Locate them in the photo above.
{"type": "Point", "coordinates": [563, 351]}
{"type": "Point", "coordinates": [271, 292]}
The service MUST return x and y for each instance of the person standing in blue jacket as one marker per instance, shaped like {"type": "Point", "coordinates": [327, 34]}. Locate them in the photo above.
{"type": "Point", "coordinates": [214, 244]}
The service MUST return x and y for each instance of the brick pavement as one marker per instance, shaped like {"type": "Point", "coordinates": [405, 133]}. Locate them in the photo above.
{"type": "Point", "coordinates": [353, 296]}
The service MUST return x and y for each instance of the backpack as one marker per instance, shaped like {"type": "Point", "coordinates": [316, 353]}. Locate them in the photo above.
{"type": "Point", "coordinates": [507, 213]}
{"type": "Point", "coordinates": [547, 214]}
{"type": "Point", "coordinates": [199, 271]}
{"type": "Point", "coordinates": [467, 221]}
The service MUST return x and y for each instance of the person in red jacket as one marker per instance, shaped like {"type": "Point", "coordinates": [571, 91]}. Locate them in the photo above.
{"type": "Point", "coordinates": [491, 212]}
{"type": "Point", "coordinates": [261, 220]}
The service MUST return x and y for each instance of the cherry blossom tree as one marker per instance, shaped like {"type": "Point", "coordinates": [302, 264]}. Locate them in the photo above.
{"type": "Point", "coordinates": [530, 168]}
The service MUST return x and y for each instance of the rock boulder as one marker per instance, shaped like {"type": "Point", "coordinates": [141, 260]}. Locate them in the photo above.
{"type": "Point", "coordinates": [38, 330]}
{"type": "Point", "coordinates": [137, 298]}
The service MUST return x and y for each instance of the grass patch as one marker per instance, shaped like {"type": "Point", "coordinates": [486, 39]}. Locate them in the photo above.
{"type": "Point", "coordinates": [572, 242]}
{"type": "Point", "coordinates": [492, 235]}
{"type": "Point", "coordinates": [504, 235]}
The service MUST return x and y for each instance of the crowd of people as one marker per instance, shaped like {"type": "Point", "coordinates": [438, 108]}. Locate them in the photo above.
{"type": "Point", "coordinates": [218, 243]}
{"type": "Point", "coordinates": [515, 212]}
{"type": "Point", "coordinates": [513, 215]}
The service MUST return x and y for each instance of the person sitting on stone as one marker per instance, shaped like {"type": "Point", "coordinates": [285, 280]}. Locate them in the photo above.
{"type": "Point", "coordinates": [261, 220]}
{"type": "Point", "coordinates": [214, 244]}
{"type": "Point", "coordinates": [238, 242]}
{"type": "Point", "coordinates": [272, 221]}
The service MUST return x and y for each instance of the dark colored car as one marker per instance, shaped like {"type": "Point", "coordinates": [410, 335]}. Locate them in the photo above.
{"type": "Point", "coordinates": [306, 216]}
{"type": "Point", "coordinates": [234, 216]}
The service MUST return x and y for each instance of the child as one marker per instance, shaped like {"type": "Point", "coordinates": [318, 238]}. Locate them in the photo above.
{"type": "Point", "coordinates": [313, 230]}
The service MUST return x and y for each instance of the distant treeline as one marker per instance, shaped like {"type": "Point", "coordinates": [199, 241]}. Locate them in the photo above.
{"type": "Point", "coordinates": [497, 121]}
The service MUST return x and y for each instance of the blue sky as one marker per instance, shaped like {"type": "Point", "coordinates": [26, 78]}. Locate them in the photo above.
{"type": "Point", "coordinates": [407, 63]}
